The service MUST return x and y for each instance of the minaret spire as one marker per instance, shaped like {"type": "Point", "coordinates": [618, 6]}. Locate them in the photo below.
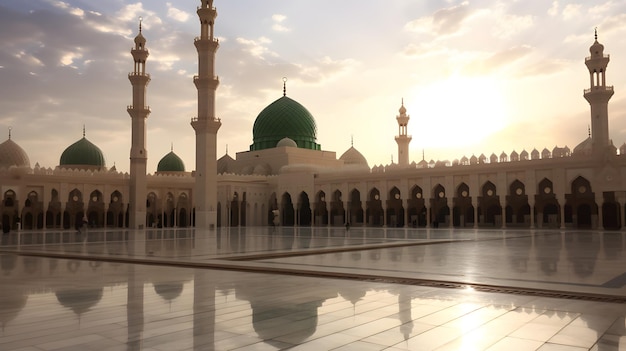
{"type": "Point", "coordinates": [9, 133]}
{"type": "Point", "coordinates": [598, 96]}
{"type": "Point", "coordinates": [284, 86]}
{"type": "Point", "coordinates": [206, 124]}
{"type": "Point", "coordinates": [138, 112]}
{"type": "Point", "coordinates": [403, 139]}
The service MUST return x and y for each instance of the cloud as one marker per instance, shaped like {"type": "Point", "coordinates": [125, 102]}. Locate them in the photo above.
{"type": "Point", "coordinates": [73, 10]}
{"type": "Point", "coordinates": [554, 9]}
{"type": "Point", "coordinates": [256, 48]}
{"type": "Point", "coordinates": [572, 11]}
{"type": "Point", "coordinates": [487, 64]}
{"type": "Point", "coordinates": [176, 14]}
{"type": "Point", "coordinates": [445, 21]}
{"type": "Point", "coordinates": [509, 25]}
{"type": "Point", "coordinates": [278, 26]}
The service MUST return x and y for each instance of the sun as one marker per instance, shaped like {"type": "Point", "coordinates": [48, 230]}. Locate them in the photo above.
{"type": "Point", "coordinates": [459, 111]}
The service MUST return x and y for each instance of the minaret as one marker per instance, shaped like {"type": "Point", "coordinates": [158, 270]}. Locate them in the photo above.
{"type": "Point", "coordinates": [206, 124]}
{"type": "Point", "coordinates": [403, 139]}
{"type": "Point", "coordinates": [598, 96]}
{"type": "Point", "coordinates": [138, 112]}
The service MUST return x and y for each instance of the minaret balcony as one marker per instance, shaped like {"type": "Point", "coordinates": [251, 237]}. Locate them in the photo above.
{"type": "Point", "coordinates": [138, 74]}
{"type": "Point", "coordinates": [588, 58]}
{"type": "Point", "coordinates": [206, 82]}
{"type": "Point", "coordinates": [215, 40]}
{"type": "Point", "coordinates": [599, 89]}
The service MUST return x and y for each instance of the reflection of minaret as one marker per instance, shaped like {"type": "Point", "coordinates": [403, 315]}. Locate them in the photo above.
{"type": "Point", "coordinates": [203, 310]}
{"type": "Point", "coordinates": [206, 124]}
{"type": "Point", "coordinates": [598, 96]}
{"type": "Point", "coordinates": [134, 309]}
{"type": "Point", "coordinates": [138, 112]}
{"type": "Point", "coordinates": [404, 305]}
{"type": "Point", "coordinates": [403, 139]}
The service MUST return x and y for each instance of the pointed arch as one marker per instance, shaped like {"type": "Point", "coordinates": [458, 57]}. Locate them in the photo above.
{"type": "Point", "coordinates": [517, 210]}
{"type": "Point", "coordinates": [321, 211]}
{"type": "Point", "coordinates": [581, 210]}
{"type": "Point", "coordinates": [337, 210]}
{"type": "Point", "coordinates": [547, 208]}
{"type": "Point", "coordinates": [304, 210]}
{"type": "Point", "coordinates": [374, 209]}
{"type": "Point", "coordinates": [439, 210]}
{"type": "Point", "coordinates": [416, 207]}
{"type": "Point", "coordinates": [356, 216]}
{"type": "Point", "coordinates": [395, 210]}
{"type": "Point", "coordinates": [462, 210]}
{"type": "Point", "coordinates": [287, 210]}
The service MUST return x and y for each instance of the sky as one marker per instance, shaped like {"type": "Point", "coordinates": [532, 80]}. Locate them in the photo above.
{"type": "Point", "coordinates": [476, 77]}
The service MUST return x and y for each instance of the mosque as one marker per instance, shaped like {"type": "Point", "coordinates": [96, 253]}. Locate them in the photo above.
{"type": "Point", "coordinates": [287, 179]}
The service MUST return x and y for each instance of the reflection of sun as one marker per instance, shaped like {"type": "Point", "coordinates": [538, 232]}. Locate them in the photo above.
{"type": "Point", "coordinates": [458, 111]}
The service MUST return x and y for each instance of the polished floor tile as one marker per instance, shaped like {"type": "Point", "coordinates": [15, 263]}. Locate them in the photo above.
{"type": "Point", "coordinates": [285, 288]}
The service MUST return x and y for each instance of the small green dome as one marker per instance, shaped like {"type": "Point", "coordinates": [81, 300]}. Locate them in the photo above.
{"type": "Point", "coordinates": [284, 118]}
{"type": "Point", "coordinates": [171, 163]}
{"type": "Point", "coordinates": [82, 153]}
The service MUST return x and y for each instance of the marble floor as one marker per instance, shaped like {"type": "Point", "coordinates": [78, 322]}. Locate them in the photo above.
{"type": "Point", "coordinates": [313, 289]}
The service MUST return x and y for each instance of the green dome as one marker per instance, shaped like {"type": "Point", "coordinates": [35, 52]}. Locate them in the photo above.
{"type": "Point", "coordinates": [284, 118]}
{"type": "Point", "coordinates": [171, 163]}
{"type": "Point", "coordinates": [82, 153]}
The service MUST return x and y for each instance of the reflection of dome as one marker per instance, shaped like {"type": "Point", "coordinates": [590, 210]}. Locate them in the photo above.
{"type": "Point", "coordinates": [79, 300]}
{"type": "Point", "coordinates": [12, 303]}
{"type": "Point", "coordinates": [82, 153]}
{"type": "Point", "coordinates": [353, 157]}
{"type": "Point", "coordinates": [12, 154]}
{"type": "Point", "coordinates": [171, 163]}
{"type": "Point", "coordinates": [284, 118]}
{"type": "Point", "coordinates": [264, 317]}
{"type": "Point", "coordinates": [168, 291]}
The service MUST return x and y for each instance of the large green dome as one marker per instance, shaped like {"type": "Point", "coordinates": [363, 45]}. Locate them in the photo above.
{"type": "Point", "coordinates": [82, 153]}
{"type": "Point", "coordinates": [171, 163]}
{"type": "Point", "coordinates": [284, 118]}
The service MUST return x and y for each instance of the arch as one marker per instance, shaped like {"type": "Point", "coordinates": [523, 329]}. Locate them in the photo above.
{"type": "Point", "coordinates": [374, 209]}
{"type": "Point", "coordinates": [74, 210]}
{"type": "Point", "coordinates": [95, 209]}
{"type": "Point", "coordinates": [287, 211]}
{"type": "Point", "coordinates": [273, 213]}
{"type": "Point", "coordinates": [356, 216]}
{"type": "Point", "coordinates": [547, 208]}
{"type": "Point", "coordinates": [611, 212]}
{"type": "Point", "coordinates": [517, 210]}
{"type": "Point", "coordinates": [395, 210]}
{"type": "Point", "coordinates": [32, 213]}
{"type": "Point", "coordinates": [234, 210]}
{"type": "Point", "coordinates": [581, 208]}
{"type": "Point", "coordinates": [337, 211]}
{"type": "Point", "coordinates": [321, 211]}
{"type": "Point", "coordinates": [462, 210]}
{"type": "Point", "coordinates": [168, 211]}
{"type": "Point", "coordinates": [416, 207]}
{"type": "Point", "coordinates": [489, 209]}
{"type": "Point", "coordinates": [304, 210]}
{"type": "Point", "coordinates": [439, 210]}
{"type": "Point", "coordinates": [153, 217]}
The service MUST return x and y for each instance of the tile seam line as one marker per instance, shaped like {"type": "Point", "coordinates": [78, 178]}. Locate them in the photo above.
{"type": "Point", "coordinates": [233, 266]}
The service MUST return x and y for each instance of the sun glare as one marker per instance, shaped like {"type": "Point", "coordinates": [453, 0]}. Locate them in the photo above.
{"type": "Point", "coordinates": [458, 111]}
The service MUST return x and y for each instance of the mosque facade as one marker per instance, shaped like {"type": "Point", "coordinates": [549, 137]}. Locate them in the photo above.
{"type": "Point", "coordinates": [287, 179]}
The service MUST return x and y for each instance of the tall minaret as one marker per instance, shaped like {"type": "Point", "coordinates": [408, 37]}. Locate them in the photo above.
{"type": "Point", "coordinates": [138, 112]}
{"type": "Point", "coordinates": [598, 96]}
{"type": "Point", "coordinates": [403, 139]}
{"type": "Point", "coordinates": [206, 124]}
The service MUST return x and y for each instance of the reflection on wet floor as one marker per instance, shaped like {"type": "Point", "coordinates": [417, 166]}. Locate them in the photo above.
{"type": "Point", "coordinates": [56, 303]}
